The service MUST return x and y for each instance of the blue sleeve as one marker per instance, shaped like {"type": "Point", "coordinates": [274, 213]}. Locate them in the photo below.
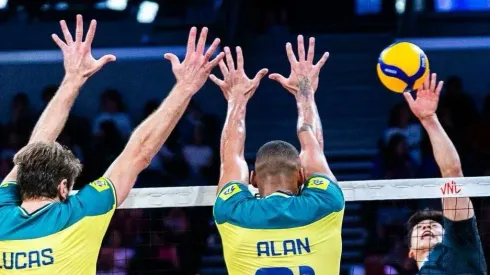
{"type": "Point", "coordinates": [96, 198]}
{"type": "Point", "coordinates": [461, 234]}
{"type": "Point", "coordinates": [230, 196]}
{"type": "Point", "coordinates": [324, 192]}
{"type": "Point", "coordinates": [9, 193]}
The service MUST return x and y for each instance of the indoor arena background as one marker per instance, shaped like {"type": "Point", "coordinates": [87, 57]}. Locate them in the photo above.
{"type": "Point", "coordinates": [366, 127]}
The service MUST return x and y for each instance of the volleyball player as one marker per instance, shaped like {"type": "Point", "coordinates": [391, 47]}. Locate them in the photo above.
{"type": "Point", "coordinates": [43, 230]}
{"type": "Point", "coordinates": [287, 231]}
{"type": "Point", "coordinates": [447, 242]}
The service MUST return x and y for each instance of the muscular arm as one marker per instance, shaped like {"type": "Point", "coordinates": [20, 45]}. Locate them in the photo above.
{"type": "Point", "coordinates": [54, 117]}
{"type": "Point", "coordinates": [233, 164]}
{"type": "Point", "coordinates": [146, 141]}
{"type": "Point", "coordinates": [310, 133]}
{"type": "Point", "coordinates": [447, 159]}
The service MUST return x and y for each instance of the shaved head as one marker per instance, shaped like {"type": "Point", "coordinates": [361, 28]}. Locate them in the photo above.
{"type": "Point", "coordinates": [277, 158]}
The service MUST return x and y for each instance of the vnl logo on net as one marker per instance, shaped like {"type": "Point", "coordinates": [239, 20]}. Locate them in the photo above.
{"type": "Point", "coordinates": [450, 188]}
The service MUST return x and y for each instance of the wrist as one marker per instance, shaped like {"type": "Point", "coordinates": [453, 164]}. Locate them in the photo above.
{"type": "Point", "coordinates": [75, 79]}
{"type": "Point", "coordinates": [185, 89]}
{"type": "Point", "coordinates": [429, 121]}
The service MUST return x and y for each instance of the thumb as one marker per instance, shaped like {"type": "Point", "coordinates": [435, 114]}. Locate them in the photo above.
{"type": "Point", "coordinates": [260, 74]}
{"type": "Point", "coordinates": [409, 98]}
{"type": "Point", "coordinates": [279, 78]}
{"type": "Point", "coordinates": [106, 59]}
{"type": "Point", "coordinates": [174, 60]}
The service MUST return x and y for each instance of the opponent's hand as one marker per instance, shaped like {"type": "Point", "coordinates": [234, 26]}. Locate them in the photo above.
{"type": "Point", "coordinates": [302, 69]}
{"type": "Point", "coordinates": [196, 67]}
{"type": "Point", "coordinates": [77, 56]}
{"type": "Point", "coordinates": [236, 85]}
{"type": "Point", "coordinates": [425, 106]}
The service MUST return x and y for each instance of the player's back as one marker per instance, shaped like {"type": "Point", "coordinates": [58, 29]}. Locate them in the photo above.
{"type": "Point", "coordinates": [59, 238]}
{"type": "Point", "coordinates": [282, 234]}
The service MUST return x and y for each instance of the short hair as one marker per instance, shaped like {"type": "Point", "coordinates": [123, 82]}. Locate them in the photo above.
{"type": "Point", "coordinates": [277, 157]}
{"type": "Point", "coordinates": [42, 166]}
{"type": "Point", "coordinates": [422, 215]}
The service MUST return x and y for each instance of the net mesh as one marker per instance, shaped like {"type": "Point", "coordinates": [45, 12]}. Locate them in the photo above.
{"type": "Point", "coordinates": [171, 230]}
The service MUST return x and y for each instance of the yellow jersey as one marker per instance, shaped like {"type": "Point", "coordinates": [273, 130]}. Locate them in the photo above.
{"type": "Point", "coordinates": [281, 234]}
{"type": "Point", "coordinates": [59, 238]}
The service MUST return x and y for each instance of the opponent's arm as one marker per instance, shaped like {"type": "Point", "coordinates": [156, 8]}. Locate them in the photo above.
{"type": "Point", "coordinates": [303, 83]}
{"type": "Point", "coordinates": [237, 89]}
{"type": "Point", "coordinates": [447, 158]}
{"type": "Point", "coordinates": [150, 135]}
{"type": "Point", "coordinates": [79, 66]}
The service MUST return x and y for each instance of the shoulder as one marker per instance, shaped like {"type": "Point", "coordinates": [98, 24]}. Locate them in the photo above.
{"type": "Point", "coordinates": [96, 198]}
{"type": "Point", "coordinates": [230, 196]}
{"type": "Point", "coordinates": [323, 191]}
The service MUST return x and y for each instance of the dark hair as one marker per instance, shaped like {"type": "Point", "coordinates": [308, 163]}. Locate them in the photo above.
{"type": "Point", "coordinates": [276, 157]}
{"type": "Point", "coordinates": [42, 166]}
{"type": "Point", "coordinates": [422, 215]}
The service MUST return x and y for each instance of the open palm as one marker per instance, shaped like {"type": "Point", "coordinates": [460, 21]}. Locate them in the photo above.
{"type": "Point", "coordinates": [425, 105]}
{"type": "Point", "coordinates": [77, 55]}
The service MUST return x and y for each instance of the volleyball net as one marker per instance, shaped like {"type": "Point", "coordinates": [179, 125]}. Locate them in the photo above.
{"type": "Point", "coordinates": [170, 230]}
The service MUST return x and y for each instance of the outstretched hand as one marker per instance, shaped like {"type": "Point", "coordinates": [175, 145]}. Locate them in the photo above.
{"type": "Point", "coordinates": [77, 55]}
{"type": "Point", "coordinates": [302, 68]}
{"type": "Point", "coordinates": [236, 85]}
{"type": "Point", "coordinates": [425, 106]}
{"type": "Point", "coordinates": [196, 67]}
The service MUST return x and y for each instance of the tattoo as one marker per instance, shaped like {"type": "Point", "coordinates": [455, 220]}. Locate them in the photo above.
{"type": "Point", "coordinates": [304, 86]}
{"type": "Point", "coordinates": [305, 127]}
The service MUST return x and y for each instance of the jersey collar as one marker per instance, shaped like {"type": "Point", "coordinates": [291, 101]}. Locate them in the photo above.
{"type": "Point", "coordinates": [281, 193]}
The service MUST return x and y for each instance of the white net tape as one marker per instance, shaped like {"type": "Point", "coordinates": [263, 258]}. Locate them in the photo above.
{"type": "Point", "coordinates": [353, 191]}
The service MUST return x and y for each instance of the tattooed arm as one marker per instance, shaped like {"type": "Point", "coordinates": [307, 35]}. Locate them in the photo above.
{"type": "Point", "coordinates": [303, 83]}
{"type": "Point", "coordinates": [312, 157]}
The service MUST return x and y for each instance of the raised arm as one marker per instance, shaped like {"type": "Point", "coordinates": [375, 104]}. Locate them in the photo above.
{"type": "Point", "coordinates": [303, 83]}
{"type": "Point", "coordinates": [79, 66]}
{"type": "Point", "coordinates": [237, 89]}
{"type": "Point", "coordinates": [150, 135]}
{"type": "Point", "coordinates": [447, 158]}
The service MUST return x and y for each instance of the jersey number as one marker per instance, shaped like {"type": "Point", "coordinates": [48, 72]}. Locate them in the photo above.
{"type": "Point", "coordinates": [303, 270]}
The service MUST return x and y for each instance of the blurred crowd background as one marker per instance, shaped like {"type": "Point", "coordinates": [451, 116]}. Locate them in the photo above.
{"type": "Point", "coordinates": [369, 132]}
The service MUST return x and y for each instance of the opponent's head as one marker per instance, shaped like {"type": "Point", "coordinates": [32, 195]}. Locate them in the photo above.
{"type": "Point", "coordinates": [425, 230]}
{"type": "Point", "coordinates": [277, 162]}
{"type": "Point", "coordinates": [46, 170]}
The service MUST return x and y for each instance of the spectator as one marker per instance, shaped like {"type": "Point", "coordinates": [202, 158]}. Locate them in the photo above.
{"type": "Point", "coordinates": [192, 118]}
{"type": "Point", "coordinates": [21, 121]}
{"type": "Point", "coordinates": [197, 154]}
{"type": "Point", "coordinates": [113, 110]}
{"type": "Point", "coordinates": [115, 258]}
{"type": "Point", "coordinates": [394, 162]}
{"type": "Point", "coordinates": [400, 123]}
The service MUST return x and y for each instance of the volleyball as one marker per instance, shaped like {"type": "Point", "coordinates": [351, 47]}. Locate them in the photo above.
{"type": "Point", "coordinates": [402, 67]}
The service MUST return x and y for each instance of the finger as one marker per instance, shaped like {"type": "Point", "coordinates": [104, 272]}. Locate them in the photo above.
{"type": "Point", "coordinates": [79, 30]}
{"type": "Point", "coordinates": [439, 88]}
{"type": "Point", "coordinates": [223, 68]}
{"type": "Point", "coordinates": [239, 58]}
{"type": "Point", "coordinates": [260, 74]}
{"type": "Point", "coordinates": [290, 53]}
{"type": "Point", "coordinates": [66, 32]}
{"type": "Point", "coordinates": [91, 32]}
{"type": "Point", "coordinates": [202, 41]}
{"type": "Point", "coordinates": [58, 41]}
{"type": "Point", "coordinates": [174, 60]}
{"type": "Point", "coordinates": [215, 61]}
{"type": "Point", "coordinates": [311, 50]}
{"type": "Point", "coordinates": [433, 80]}
{"type": "Point", "coordinates": [105, 59]}
{"type": "Point", "coordinates": [229, 60]}
{"type": "Point", "coordinates": [322, 60]}
{"type": "Point", "coordinates": [301, 48]}
{"type": "Point", "coordinates": [212, 49]}
{"type": "Point", "coordinates": [426, 84]}
{"type": "Point", "coordinates": [279, 78]}
{"type": "Point", "coordinates": [191, 41]}
{"type": "Point", "coordinates": [216, 80]}
{"type": "Point", "coordinates": [409, 98]}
